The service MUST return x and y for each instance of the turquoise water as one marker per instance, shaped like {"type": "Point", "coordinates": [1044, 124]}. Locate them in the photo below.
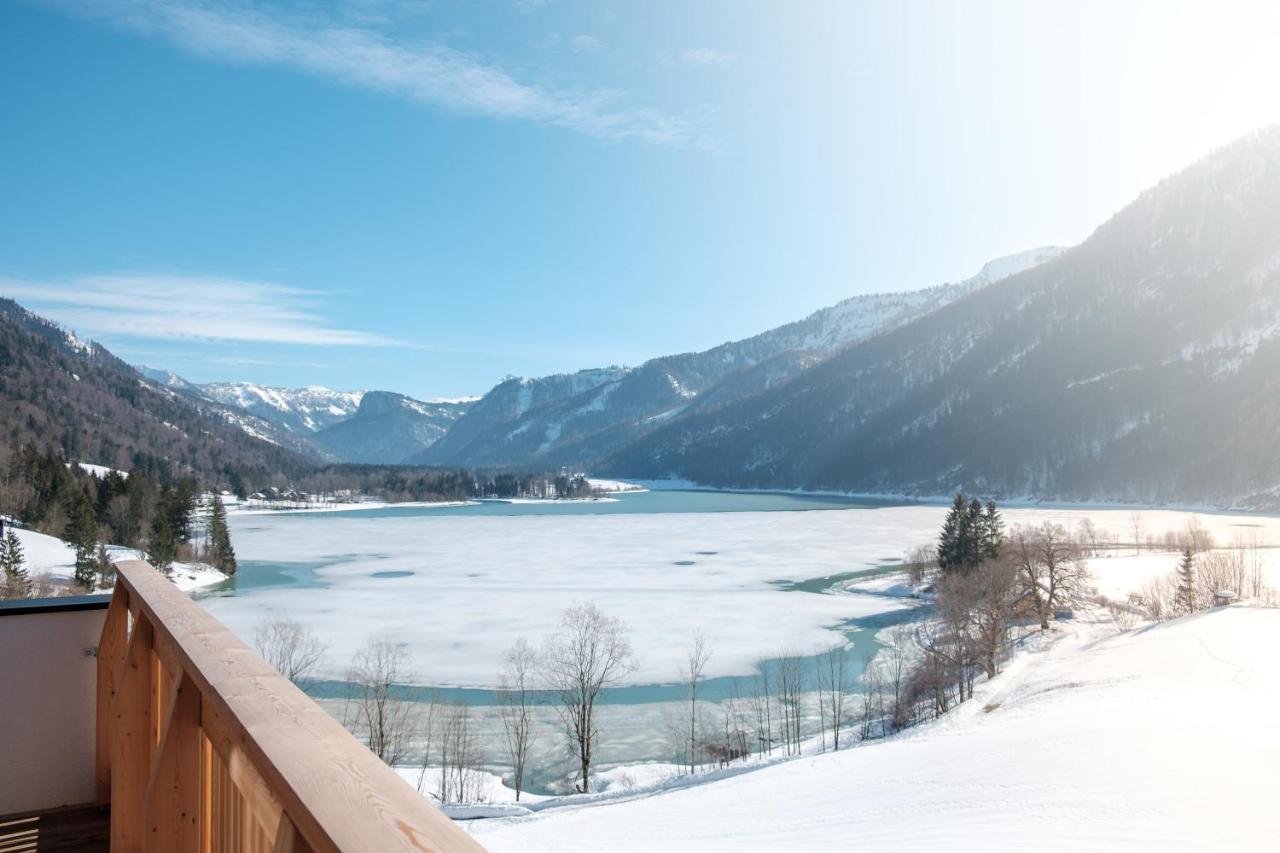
{"type": "Point", "coordinates": [663, 500]}
{"type": "Point", "coordinates": [860, 633]}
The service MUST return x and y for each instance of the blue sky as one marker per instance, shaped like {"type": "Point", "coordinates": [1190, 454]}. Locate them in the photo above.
{"type": "Point", "coordinates": [426, 196]}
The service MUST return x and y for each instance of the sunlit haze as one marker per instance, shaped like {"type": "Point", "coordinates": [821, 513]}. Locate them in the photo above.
{"type": "Point", "coordinates": [426, 197]}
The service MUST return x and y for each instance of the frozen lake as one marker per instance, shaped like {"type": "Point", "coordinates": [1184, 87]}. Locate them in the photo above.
{"type": "Point", "coordinates": [458, 585]}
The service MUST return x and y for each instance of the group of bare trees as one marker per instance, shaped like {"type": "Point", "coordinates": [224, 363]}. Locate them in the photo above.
{"type": "Point", "coordinates": [1035, 574]}
{"type": "Point", "coordinates": [585, 655]}
{"type": "Point", "coordinates": [1204, 570]}
{"type": "Point", "coordinates": [792, 697]}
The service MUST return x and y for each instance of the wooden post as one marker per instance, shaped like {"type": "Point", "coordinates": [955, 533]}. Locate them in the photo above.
{"type": "Point", "coordinates": [111, 651]}
{"type": "Point", "coordinates": [172, 807]}
{"type": "Point", "coordinates": [131, 741]}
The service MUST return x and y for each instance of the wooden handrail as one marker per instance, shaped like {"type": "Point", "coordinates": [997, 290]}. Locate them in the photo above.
{"type": "Point", "coordinates": [202, 746]}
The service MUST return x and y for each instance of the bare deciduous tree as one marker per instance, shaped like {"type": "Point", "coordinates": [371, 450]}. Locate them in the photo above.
{"type": "Point", "coordinates": [460, 781]}
{"type": "Point", "coordinates": [833, 687]}
{"type": "Point", "coordinates": [1197, 536]}
{"type": "Point", "coordinates": [1222, 570]}
{"type": "Point", "coordinates": [588, 652]}
{"type": "Point", "coordinates": [385, 717]}
{"type": "Point", "coordinates": [691, 672]}
{"type": "Point", "coordinates": [762, 706]}
{"type": "Point", "coordinates": [425, 729]}
{"type": "Point", "coordinates": [1088, 536]}
{"type": "Point", "coordinates": [921, 563]}
{"type": "Point", "coordinates": [1138, 524]}
{"type": "Point", "coordinates": [516, 699]}
{"type": "Point", "coordinates": [872, 698]}
{"type": "Point", "coordinates": [1255, 563]}
{"type": "Point", "coordinates": [994, 599]}
{"type": "Point", "coordinates": [790, 680]}
{"type": "Point", "coordinates": [289, 646]}
{"type": "Point", "coordinates": [1050, 572]}
{"type": "Point", "coordinates": [897, 670]}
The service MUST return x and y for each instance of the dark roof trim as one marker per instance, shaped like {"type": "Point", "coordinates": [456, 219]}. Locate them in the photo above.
{"type": "Point", "coordinates": [64, 604]}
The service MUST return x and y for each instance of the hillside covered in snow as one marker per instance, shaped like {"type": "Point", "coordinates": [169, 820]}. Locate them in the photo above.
{"type": "Point", "coordinates": [374, 427]}
{"type": "Point", "coordinates": [1159, 739]}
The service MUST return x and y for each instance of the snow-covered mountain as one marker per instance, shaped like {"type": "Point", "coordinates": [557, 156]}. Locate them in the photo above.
{"type": "Point", "coordinates": [581, 417]}
{"type": "Point", "coordinates": [375, 427]}
{"type": "Point", "coordinates": [389, 428]}
{"type": "Point", "coordinates": [1138, 366]}
{"type": "Point", "coordinates": [302, 410]}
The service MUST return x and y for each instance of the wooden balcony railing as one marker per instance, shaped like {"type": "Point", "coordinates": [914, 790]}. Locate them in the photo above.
{"type": "Point", "coordinates": [202, 746]}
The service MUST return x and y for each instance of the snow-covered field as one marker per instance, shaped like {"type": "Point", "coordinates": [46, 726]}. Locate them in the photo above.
{"type": "Point", "coordinates": [479, 582]}
{"type": "Point", "coordinates": [47, 555]}
{"type": "Point", "coordinates": [1162, 738]}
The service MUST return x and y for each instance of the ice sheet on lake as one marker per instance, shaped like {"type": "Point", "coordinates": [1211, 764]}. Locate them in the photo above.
{"type": "Point", "coordinates": [479, 582]}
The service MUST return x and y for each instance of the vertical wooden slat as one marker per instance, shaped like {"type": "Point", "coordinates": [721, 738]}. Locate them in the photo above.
{"type": "Point", "coordinates": [206, 794]}
{"type": "Point", "coordinates": [131, 741]}
{"type": "Point", "coordinates": [234, 745]}
{"type": "Point", "coordinates": [171, 812]}
{"type": "Point", "coordinates": [112, 647]}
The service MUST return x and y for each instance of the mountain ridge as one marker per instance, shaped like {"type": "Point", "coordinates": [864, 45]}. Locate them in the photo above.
{"type": "Point", "coordinates": [580, 418]}
{"type": "Point", "coordinates": [1122, 369]}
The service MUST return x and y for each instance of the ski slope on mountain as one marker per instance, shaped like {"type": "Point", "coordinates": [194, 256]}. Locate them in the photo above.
{"type": "Point", "coordinates": [1159, 739]}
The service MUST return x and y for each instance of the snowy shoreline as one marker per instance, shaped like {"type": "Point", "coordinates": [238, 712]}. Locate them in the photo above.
{"type": "Point", "coordinates": [1018, 502]}
{"type": "Point", "coordinates": [354, 506]}
{"type": "Point", "coordinates": [48, 555]}
{"type": "Point", "coordinates": [1027, 732]}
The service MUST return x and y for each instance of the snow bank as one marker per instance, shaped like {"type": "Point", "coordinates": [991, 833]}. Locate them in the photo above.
{"type": "Point", "coordinates": [99, 471]}
{"type": "Point", "coordinates": [50, 555]}
{"type": "Point", "coordinates": [614, 485]}
{"type": "Point", "coordinates": [1162, 739]}
{"type": "Point", "coordinates": [491, 791]}
{"type": "Point", "coordinates": [251, 507]}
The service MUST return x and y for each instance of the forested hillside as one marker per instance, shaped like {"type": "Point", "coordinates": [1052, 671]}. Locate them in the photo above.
{"type": "Point", "coordinates": [1140, 366]}
{"type": "Point", "coordinates": [580, 418]}
{"type": "Point", "coordinates": [57, 392]}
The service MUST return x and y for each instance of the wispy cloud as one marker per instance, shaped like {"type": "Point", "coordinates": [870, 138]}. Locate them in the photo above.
{"type": "Point", "coordinates": [702, 56]}
{"type": "Point", "coordinates": [425, 72]}
{"type": "Point", "coordinates": [187, 308]}
{"type": "Point", "coordinates": [586, 43]}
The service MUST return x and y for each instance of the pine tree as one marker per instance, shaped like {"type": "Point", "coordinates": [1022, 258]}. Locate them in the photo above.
{"type": "Point", "coordinates": [1186, 593]}
{"type": "Point", "coordinates": [950, 545]}
{"type": "Point", "coordinates": [221, 555]}
{"type": "Point", "coordinates": [181, 508]}
{"type": "Point", "coordinates": [106, 570]}
{"type": "Point", "coordinates": [163, 544]}
{"type": "Point", "coordinates": [82, 533]}
{"type": "Point", "coordinates": [971, 534]}
{"type": "Point", "coordinates": [17, 584]}
{"type": "Point", "coordinates": [992, 531]}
